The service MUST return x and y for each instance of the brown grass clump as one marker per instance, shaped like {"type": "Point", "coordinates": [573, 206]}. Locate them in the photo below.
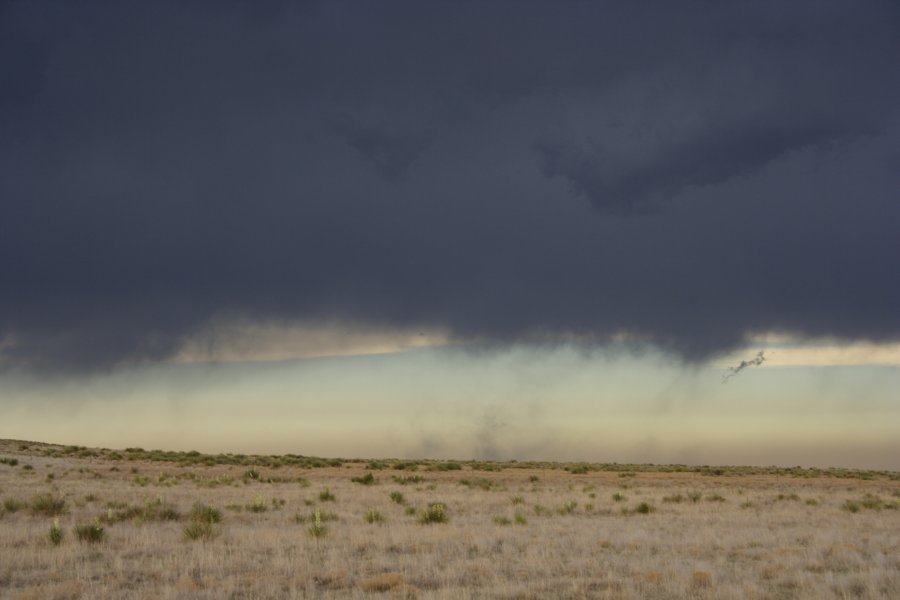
{"type": "Point", "coordinates": [701, 579]}
{"type": "Point", "coordinates": [383, 583]}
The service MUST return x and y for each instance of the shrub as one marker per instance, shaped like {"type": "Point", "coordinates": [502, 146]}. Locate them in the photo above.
{"type": "Point", "coordinates": [160, 511]}
{"type": "Point", "coordinates": [617, 497]}
{"type": "Point", "coordinates": [695, 496]}
{"type": "Point", "coordinates": [715, 498]}
{"type": "Point", "coordinates": [500, 520]}
{"type": "Point", "coordinates": [674, 498]}
{"type": "Point", "coordinates": [205, 513]}
{"type": "Point", "coordinates": [793, 497]}
{"type": "Point", "coordinates": [568, 508]}
{"type": "Point", "coordinates": [851, 506]}
{"type": "Point", "coordinates": [9, 461]}
{"type": "Point", "coordinates": [484, 484]}
{"type": "Point", "coordinates": [90, 534]}
{"type": "Point", "coordinates": [367, 479]}
{"type": "Point", "coordinates": [410, 510]}
{"type": "Point", "coordinates": [871, 501]}
{"type": "Point", "coordinates": [407, 479]}
{"type": "Point", "coordinates": [373, 516]}
{"type": "Point", "coordinates": [520, 519]}
{"type": "Point", "coordinates": [398, 498]}
{"type": "Point", "coordinates": [534, 479]}
{"type": "Point", "coordinates": [12, 505]}
{"type": "Point", "coordinates": [251, 475]}
{"type": "Point", "coordinates": [48, 505]}
{"type": "Point", "coordinates": [644, 508]}
{"type": "Point", "coordinates": [326, 496]}
{"type": "Point", "coordinates": [406, 466]}
{"type": "Point", "coordinates": [435, 513]}
{"type": "Point", "coordinates": [517, 500]}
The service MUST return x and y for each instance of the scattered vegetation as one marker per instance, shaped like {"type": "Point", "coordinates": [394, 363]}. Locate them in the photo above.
{"type": "Point", "coordinates": [408, 479]}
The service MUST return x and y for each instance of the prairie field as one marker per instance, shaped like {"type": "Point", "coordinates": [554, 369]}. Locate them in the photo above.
{"type": "Point", "coordinates": [78, 522]}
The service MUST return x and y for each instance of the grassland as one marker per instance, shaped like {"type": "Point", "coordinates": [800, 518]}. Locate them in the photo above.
{"type": "Point", "coordinates": [78, 522]}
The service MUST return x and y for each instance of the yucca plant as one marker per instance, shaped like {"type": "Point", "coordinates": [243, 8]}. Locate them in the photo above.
{"type": "Point", "coordinates": [317, 529]}
{"type": "Point", "coordinates": [435, 513]}
{"type": "Point", "coordinates": [56, 533]}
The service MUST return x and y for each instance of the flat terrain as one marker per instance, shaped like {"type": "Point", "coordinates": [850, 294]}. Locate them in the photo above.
{"type": "Point", "coordinates": [94, 523]}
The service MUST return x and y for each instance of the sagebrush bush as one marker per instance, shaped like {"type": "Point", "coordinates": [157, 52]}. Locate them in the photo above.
{"type": "Point", "coordinates": [398, 498]}
{"type": "Point", "coordinates": [644, 508]}
{"type": "Point", "coordinates": [326, 496]}
{"type": "Point", "coordinates": [48, 505]}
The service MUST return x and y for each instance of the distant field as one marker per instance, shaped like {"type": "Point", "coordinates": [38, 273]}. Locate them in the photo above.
{"type": "Point", "coordinates": [96, 523]}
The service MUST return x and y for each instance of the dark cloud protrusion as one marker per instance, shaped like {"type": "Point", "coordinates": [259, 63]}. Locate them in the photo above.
{"type": "Point", "coordinates": [168, 165]}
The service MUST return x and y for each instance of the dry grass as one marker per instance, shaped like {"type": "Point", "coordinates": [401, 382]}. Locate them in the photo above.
{"type": "Point", "coordinates": [732, 535]}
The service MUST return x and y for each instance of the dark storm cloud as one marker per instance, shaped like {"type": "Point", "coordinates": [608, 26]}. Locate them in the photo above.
{"type": "Point", "coordinates": [512, 171]}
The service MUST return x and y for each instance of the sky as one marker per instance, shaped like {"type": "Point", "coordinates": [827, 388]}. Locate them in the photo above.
{"type": "Point", "coordinates": [507, 229]}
